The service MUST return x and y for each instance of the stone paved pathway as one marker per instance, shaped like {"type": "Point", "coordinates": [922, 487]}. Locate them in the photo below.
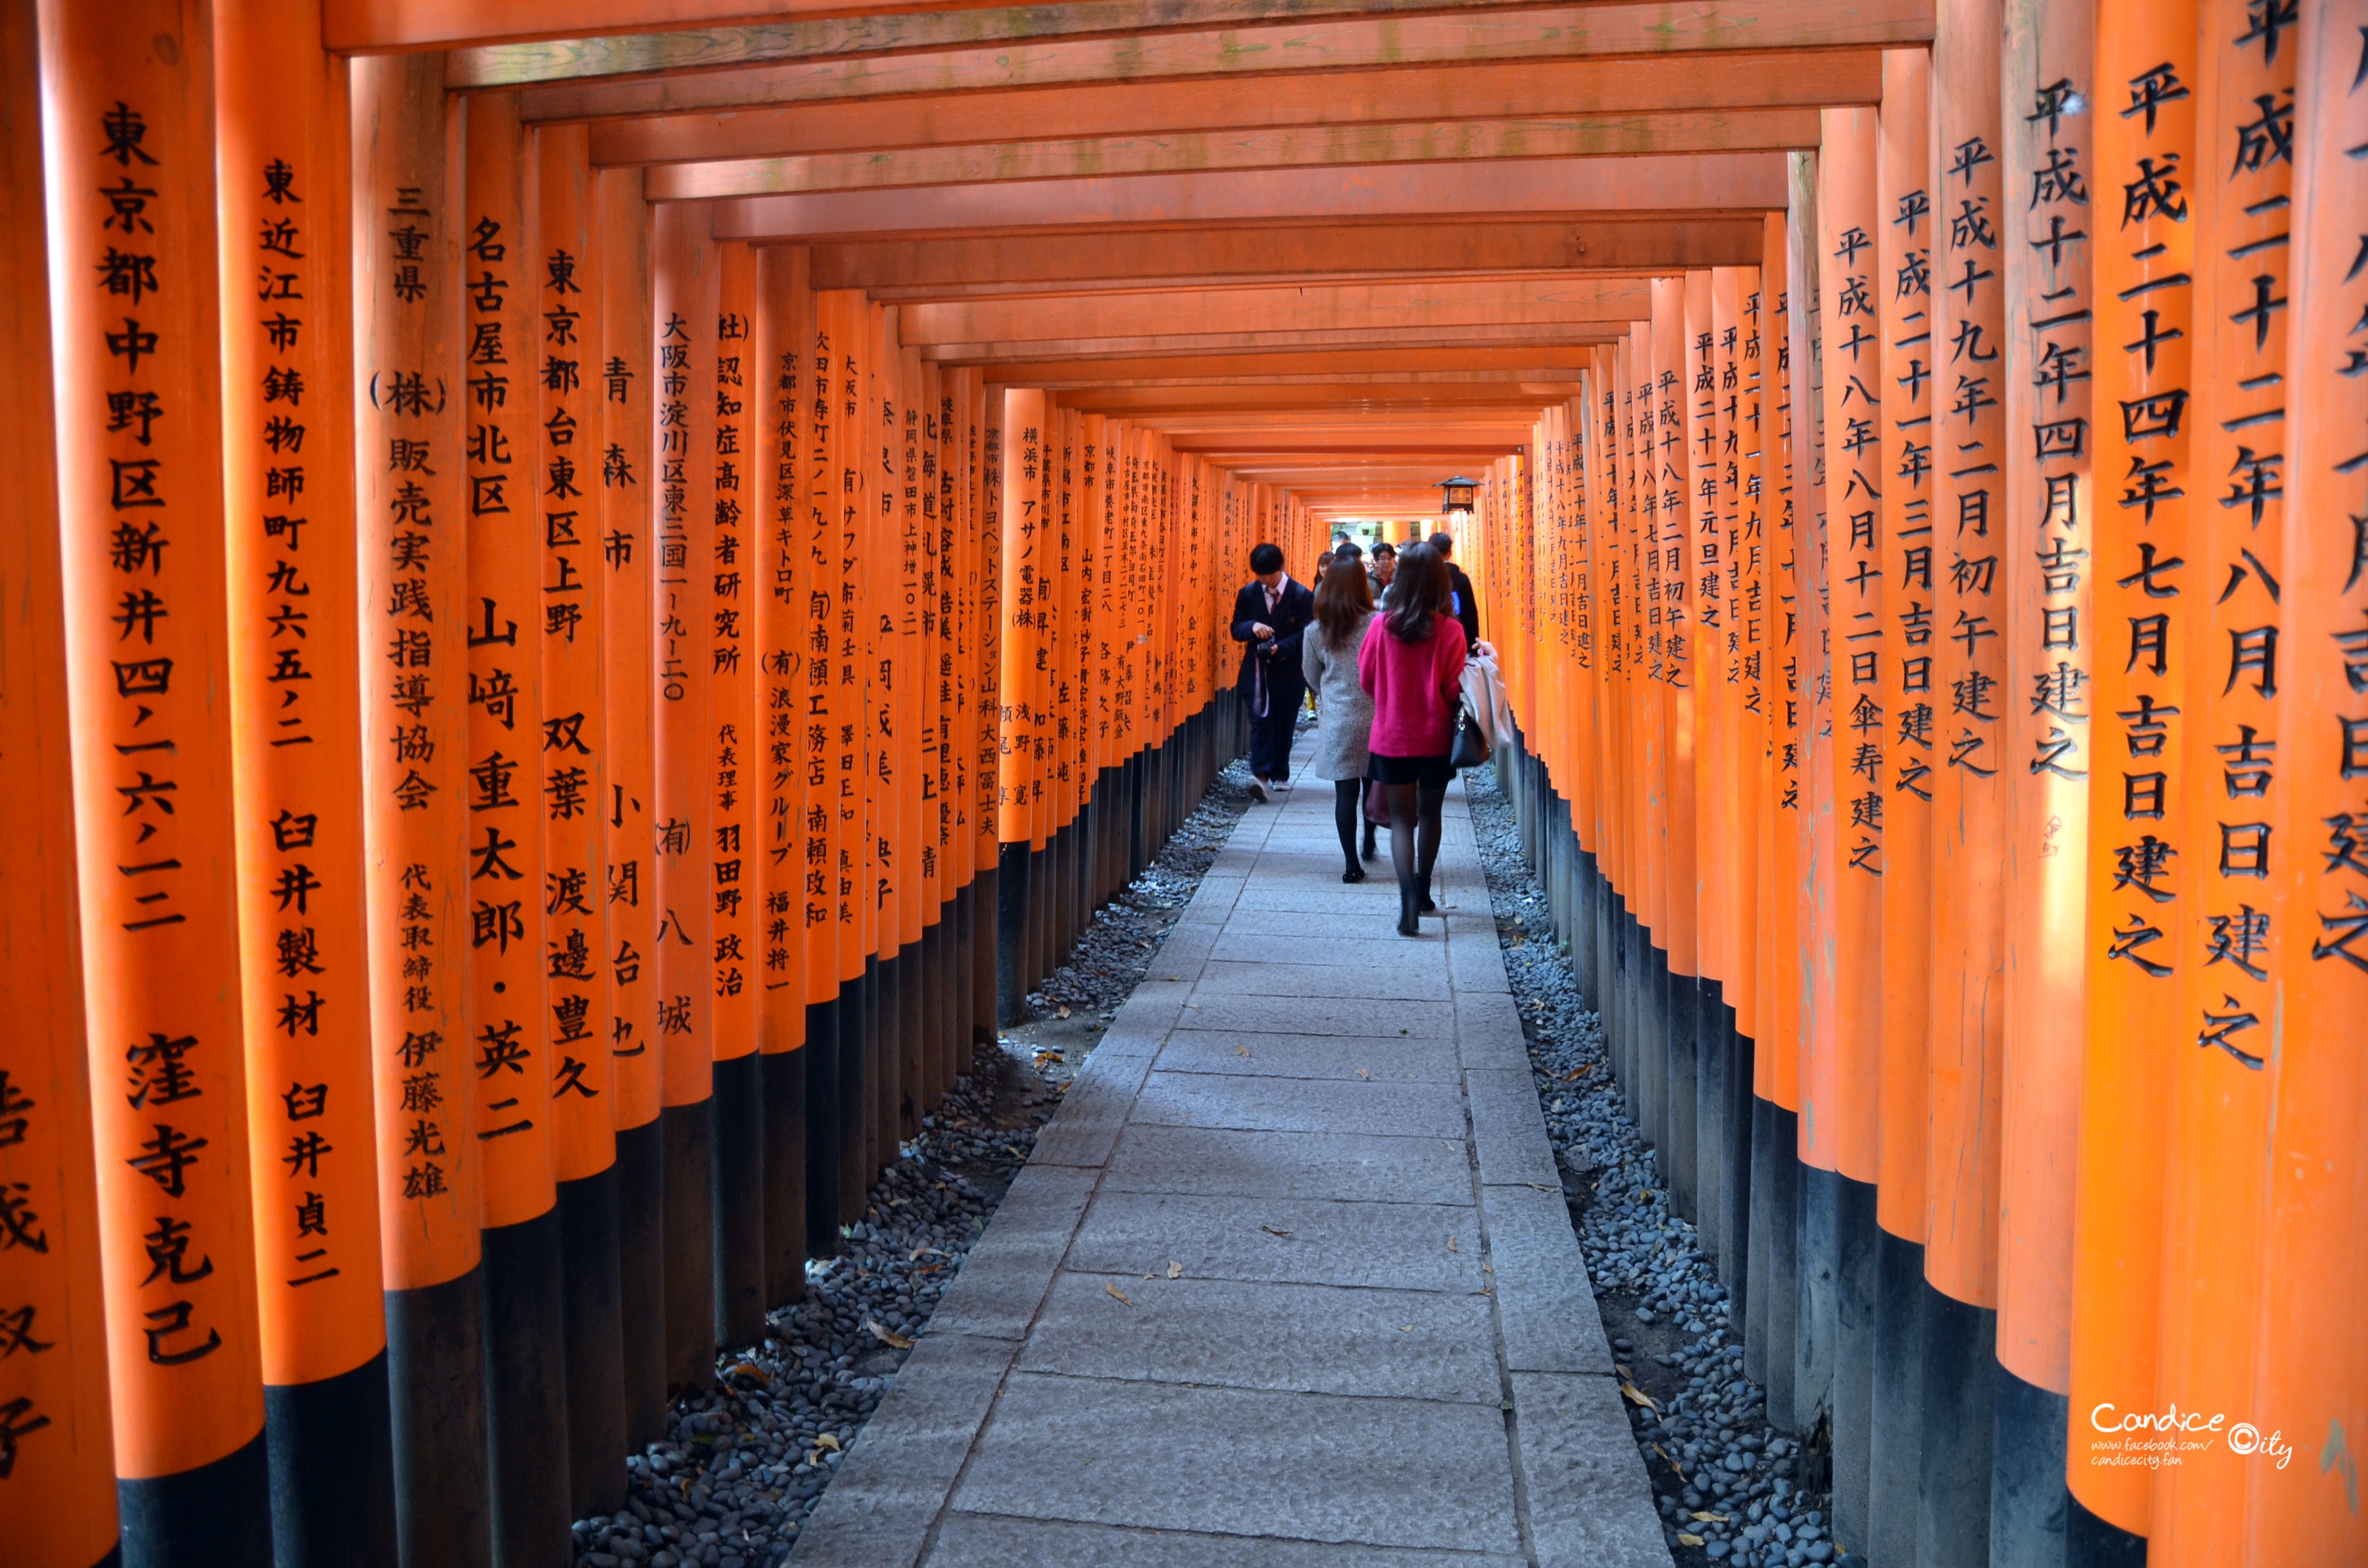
{"type": "Point", "coordinates": [1288, 1282]}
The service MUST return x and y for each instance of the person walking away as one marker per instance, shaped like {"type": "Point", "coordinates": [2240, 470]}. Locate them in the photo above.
{"type": "Point", "coordinates": [1385, 565]}
{"type": "Point", "coordinates": [1344, 714]}
{"type": "Point", "coordinates": [1466, 604]}
{"type": "Point", "coordinates": [1412, 668]}
{"type": "Point", "coordinates": [1270, 615]}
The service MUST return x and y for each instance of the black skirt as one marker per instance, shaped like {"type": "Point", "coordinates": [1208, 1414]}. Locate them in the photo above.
{"type": "Point", "coordinates": [1432, 770]}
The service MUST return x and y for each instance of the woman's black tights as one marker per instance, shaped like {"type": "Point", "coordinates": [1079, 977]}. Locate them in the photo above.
{"type": "Point", "coordinates": [1348, 798]}
{"type": "Point", "coordinates": [1414, 845]}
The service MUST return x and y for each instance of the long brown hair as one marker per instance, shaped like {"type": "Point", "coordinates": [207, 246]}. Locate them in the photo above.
{"type": "Point", "coordinates": [1343, 600]}
{"type": "Point", "coordinates": [1417, 594]}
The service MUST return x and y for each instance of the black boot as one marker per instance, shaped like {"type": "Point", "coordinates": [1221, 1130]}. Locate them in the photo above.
{"type": "Point", "coordinates": [1422, 900]}
{"type": "Point", "coordinates": [1410, 924]}
{"type": "Point", "coordinates": [1369, 839]}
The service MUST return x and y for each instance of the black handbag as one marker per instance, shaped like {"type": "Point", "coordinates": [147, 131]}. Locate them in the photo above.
{"type": "Point", "coordinates": [1472, 748]}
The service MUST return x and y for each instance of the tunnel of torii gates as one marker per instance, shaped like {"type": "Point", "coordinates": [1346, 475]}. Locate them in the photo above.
{"type": "Point", "coordinates": [581, 615]}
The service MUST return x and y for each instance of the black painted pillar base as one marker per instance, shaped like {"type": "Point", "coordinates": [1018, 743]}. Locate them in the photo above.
{"type": "Point", "coordinates": [854, 1102]}
{"type": "Point", "coordinates": [1758, 1262]}
{"type": "Point", "coordinates": [436, 1399]}
{"type": "Point", "coordinates": [1814, 1325]}
{"type": "Point", "coordinates": [1952, 1516]}
{"type": "Point", "coordinates": [881, 1025]}
{"type": "Point", "coordinates": [641, 1278]}
{"type": "Point", "coordinates": [594, 1317]}
{"type": "Point", "coordinates": [217, 1515]}
{"type": "Point", "coordinates": [2029, 1502]}
{"type": "Point", "coordinates": [783, 1073]}
{"type": "Point", "coordinates": [332, 1470]}
{"type": "Point", "coordinates": [1011, 933]}
{"type": "Point", "coordinates": [1685, 1014]}
{"type": "Point", "coordinates": [1895, 1471]}
{"type": "Point", "coordinates": [985, 944]}
{"type": "Point", "coordinates": [1734, 1191]}
{"type": "Point", "coordinates": [821, 1060]}
{"type": "Point", "coordinates": [1784, 1266]}
{"type": "Point", "coordinates": [1712, 1058]}
{"type": "Point", "coordinates": [689, 1134]}
{"type": "Point", "coordinates": [526, 1393]}
{"type": "Point", "coordinates": [1853, 1398]}
{"type": "Point", "coordinates": [912, 1042]}
{"type": "Point", "coordinates": [736, 1179]}
{"type": "Point", "coordinates": [2093, 1541]}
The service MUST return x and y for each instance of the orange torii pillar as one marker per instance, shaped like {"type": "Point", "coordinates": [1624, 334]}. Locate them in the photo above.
{"type": "Point", "coordinates": [1960, 1118]}
{"type": "Point", "coordinates": [129, 174]}
{"type": "Point", "coordinates": [629, 904]}
{"type": "Point", "coordinates": [2237, 820]}
{"type": "Point", "coordinates": [1896, 753]}
{"type": "Point", "coordinates": [683, 283]}
{"type": "Point", "coordinates": [296, 722]}
{"type": "Point", "coordinates": [565, 295]}
{"type": "Point", "coordinates": [1840, 1109]}
{"type": "Point", "coordinates": [409, 485]}
{"type": "Point", "coordinates": [2051, 641]}
{"type": "Point", "coordinates": [2311, 1374]}
{"type": "Point", "coordinates": [55, 1427]}
{"type": "Point", "coordinates": [2147, 322]}
{"type": "Point", "coordinates": [990, 642]}
{"type": "Point", "coordinates": [777, 575]}
{"type": "Point", "coordinates": [882, 1020]}
{"type": "Point", "coordinates": [815, 529]}
{"type": "Point", "coordinates": [509, 1051]}
{"type": "Point", "coordinates": [1018, 493]}
{"type": "Point", "coordinates": [726, 600]}
{"type": "Point", "coordinates": [1681, 342]}
{"type": "Point", "coordinates": [838, 338]}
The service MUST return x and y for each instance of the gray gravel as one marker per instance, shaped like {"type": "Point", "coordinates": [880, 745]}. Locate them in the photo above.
{"type": "Point", "coordinates": [1708, 1446]}
{"type": "Point", "coordinates": [741, 1468]}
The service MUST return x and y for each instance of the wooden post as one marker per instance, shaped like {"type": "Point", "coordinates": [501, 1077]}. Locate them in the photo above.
{"type": "Point", "coordinates": [2237, 823]}
{"type": "Point", "coordinates": [778, 575]}
{"type": "Point", "coordinates": [838, 337]}
{"type": "Point", "coordinates": [526, 1389]}
{"type": "Point", "coordinates": [130, 177]}
{"type": "Point", "coordinates": [54, 1390]}
{"type": "Point", "coordinates": [2048, 240]}
{"type": "Point", "coordinates": [408, 491]}
{"type": "Point", "coordinates": [562, 281]}
{"type": "Point", "coordinates": [683, 311]}
{"type": "Point", "coordinates": [2306, 1345]}
{"type": "Point", "coordinates": [296, 728]}
{"type": "Point", "coordinates": [2145, 137]}
{"type": "Point", "coordinates": [816, 527]}
{"type": "Point", "coordinates": [629, 906]}
{"type": "Point", "coordinates": [725, 579]}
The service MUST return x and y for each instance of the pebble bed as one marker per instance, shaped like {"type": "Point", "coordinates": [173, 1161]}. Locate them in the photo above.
{"type": "Point", "coordinates": [742, 1466]}
{"type": "Point", "coordinates": [1728, 1486]}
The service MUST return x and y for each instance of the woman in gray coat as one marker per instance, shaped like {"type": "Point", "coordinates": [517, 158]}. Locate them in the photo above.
{"type": "Point", "coordinates": [1344, 714]}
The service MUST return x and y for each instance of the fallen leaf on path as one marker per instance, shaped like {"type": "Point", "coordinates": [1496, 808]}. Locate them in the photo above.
{"type": "Point", "coordinates": [1686, 1540]}
{"type": "Point", "coordinates": [1452, 1246]}
{"type": "Point", "coordinates": [1244, 1050]}
{"type": "Point", "coordinates": [1114, 1290]}
{"type": "Point", "coordinates": [1673, 1464]}
{"type": "Point", "coordinates": [871, 1328]}
{"type": "Point", "coordinates": [1274, 1231]}
{"type": "Point", "coordinates": [1174, 1270]}
{"type": "Point", "coordinates": [1710, 1519]}
{"type": "Point", "coordinates": [1640, 1396]}
{"type": "Point", "coordinates": [1362, 1074]}
{"type": "Point", "coordinates": [1065, 1012]}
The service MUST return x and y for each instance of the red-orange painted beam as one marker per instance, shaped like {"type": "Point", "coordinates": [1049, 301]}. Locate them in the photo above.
{"type": "Point", "coordinates": [636, 132]}
{"type": "Point", "coordinates": [1689, 183]}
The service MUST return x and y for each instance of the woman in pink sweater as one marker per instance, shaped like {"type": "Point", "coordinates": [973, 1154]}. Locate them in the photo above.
{"type": "Point", "coordinates": [1411, 666]}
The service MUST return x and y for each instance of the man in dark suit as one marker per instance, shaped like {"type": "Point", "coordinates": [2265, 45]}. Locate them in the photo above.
{"type": "Point", "coordinates": [1467, 603]}
{"type": "Point", "coordinates": [1270, 615]}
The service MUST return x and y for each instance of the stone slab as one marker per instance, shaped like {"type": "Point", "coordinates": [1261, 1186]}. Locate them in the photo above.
{"type": "Point", "coordinates": [1082, 1132]}
{"type": "Point", "coordinates": [899, 1471]}
{"type": "Point", "coordinates": [1509, 1131]}
{"type": "Point", "coordinates": [1284, 1338]}
{"type": "Point", "coordinates": [1321, 1015]}
{"type": "Point", "coordinates": [1341, 977]}
{"type": "Point", "coordinates": [1002, 1282]}
{"type": "Point", "coordinates": [1545, 1307]}
{"type": "Point", "coordinates": [1401, 1247]}
{"type": "Point", "coordinates": [1300, 1105]}
{"type": "Point", "coordinates": [1591, 1503]}
{"type": "Point", "coordinates": [1367, 1058]}
{"type": "Point", "coordinates": [1338, 1166]}
{"type": "Point", "coordinates": [1391, 951]}
{"type": "Point", "coordinates": [1311, 1467]}
{"type": "Point", "coordinates": [979, 1540]}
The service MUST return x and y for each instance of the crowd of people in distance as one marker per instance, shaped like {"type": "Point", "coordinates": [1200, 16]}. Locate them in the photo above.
{"type": "Point", "coordinates": [1380, 647]}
